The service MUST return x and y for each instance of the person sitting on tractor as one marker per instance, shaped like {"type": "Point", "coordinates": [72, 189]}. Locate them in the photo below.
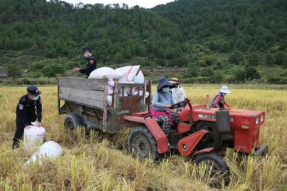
{"type": "Point", "coordinates": [219, 100]}
{"type": "Point", "coordinates": [178, 93]}
{"type": "Point", "coordinates": [162, 101]}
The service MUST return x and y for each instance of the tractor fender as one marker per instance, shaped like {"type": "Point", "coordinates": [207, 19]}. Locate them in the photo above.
{"type": "Point", "coordinates": [155, 130]}
{"type": "Point", "coordinates": [187, 144]}
{"type": "Point", "coordinates": [158, 134]}
{"type": "Point", "coordinates": [206, 150]}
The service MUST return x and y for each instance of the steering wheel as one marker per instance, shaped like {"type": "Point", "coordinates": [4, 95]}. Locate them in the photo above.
{"type": "Point", "coordinates": [179, 104]}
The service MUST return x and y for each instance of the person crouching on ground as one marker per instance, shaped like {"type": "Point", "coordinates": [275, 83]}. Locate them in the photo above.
{"type": "Point", "coordinates": [25, 113]}
{"type": "Point", "coordinates": [162, 101]}
{"type": "Point", "coordinates": [219, 98]}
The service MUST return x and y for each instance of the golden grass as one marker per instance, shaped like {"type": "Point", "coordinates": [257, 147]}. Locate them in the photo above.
{"type": "Point", "coordinates": [95, 163]}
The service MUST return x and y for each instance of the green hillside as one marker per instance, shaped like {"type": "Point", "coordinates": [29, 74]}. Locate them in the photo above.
{"type": "Point", "coordinates": [218, 40]}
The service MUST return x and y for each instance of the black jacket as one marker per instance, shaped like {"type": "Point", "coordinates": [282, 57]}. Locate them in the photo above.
{"type": "Point", "coordinates": [91, 66]}
{"type": "Point", "coordinates": [26, 108]}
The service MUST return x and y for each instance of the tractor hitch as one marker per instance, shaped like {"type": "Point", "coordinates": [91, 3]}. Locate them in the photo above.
{"type": "Point", "coordinates": [261, 151]}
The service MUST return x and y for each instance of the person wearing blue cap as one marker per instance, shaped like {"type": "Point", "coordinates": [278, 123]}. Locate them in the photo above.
{"type": "Point", "coordinates": [219, 98]}
{"type": "Point", "coordinates": [91, 63]}
{"type": "Point", "coordinates": [161, 103]}
{"type": "Point", "coordinates": [25, 113]}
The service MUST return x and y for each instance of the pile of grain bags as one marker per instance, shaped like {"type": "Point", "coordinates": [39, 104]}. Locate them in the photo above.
{"type": "Point", "coordinates": [127, 74]}
{"type": "Point", "coordinates": [33, 142]}
{"type": "Point", "coordinates": [110, 74]}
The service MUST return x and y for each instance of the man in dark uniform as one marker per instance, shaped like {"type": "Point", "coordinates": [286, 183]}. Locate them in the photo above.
{"type": "Point", "coordinates": [25, 112]}
{"type": "Point", "coordinates": [91, 64]}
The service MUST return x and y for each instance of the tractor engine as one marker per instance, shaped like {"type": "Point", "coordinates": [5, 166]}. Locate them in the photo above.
{"type": "Point", "coordinates": [234, 128]}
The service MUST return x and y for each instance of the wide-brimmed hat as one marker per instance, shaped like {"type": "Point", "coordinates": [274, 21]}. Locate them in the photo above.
{"type": "Point", "coordinates": [174, 81]}
{"type": "Point", "coordinates": [225, 89]}
{"type": "Point", "coordinates": [164, 82]}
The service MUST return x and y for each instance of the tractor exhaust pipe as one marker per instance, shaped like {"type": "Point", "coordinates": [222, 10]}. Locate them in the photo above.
{"type": "Point", "coordinates": [207, 97]}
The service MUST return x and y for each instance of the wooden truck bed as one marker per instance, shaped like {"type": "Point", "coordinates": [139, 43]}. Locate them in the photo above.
{"type": "Point", "coordinates": [87, 98]}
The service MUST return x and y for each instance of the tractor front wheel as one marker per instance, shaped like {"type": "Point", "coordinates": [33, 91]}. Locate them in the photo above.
{"type": "Point", "coordinates": [213, 168]}
{"type": "Point", "coordinates": [142, 144]}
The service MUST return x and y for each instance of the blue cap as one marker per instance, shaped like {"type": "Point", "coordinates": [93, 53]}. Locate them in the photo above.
{"type": "Point", "coordinates": [33, 90]}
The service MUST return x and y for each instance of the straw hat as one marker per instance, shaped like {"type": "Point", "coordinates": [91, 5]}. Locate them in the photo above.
{"type": "Point", "coordinates": [174, 81]}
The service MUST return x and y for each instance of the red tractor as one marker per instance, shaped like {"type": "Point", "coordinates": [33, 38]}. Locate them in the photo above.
{"type": "Point", "coordinates": [203, 133]}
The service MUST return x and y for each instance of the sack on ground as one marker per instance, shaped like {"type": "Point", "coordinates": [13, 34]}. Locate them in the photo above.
{"type": "Point", "coordinates": [49, 150]}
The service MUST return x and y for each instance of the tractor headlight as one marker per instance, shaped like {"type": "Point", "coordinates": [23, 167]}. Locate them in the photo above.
{"type": "Point", "coordinates": [262, 118]}
{"type": "Point", "coordinates": [257, 120]}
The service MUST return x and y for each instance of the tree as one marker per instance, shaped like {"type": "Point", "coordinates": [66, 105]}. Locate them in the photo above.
{"type": "Point", "coordinates": [193, 71]}
{"type": "Point", "coordinates": [212, 46]}
{"type": "Point", "coordinates": [180, 62]}
{"type": "Point", "coordinates": [53, 70]}
{"type": "Point", "coordinates": [207, 72]}
{"type": "Point", "coordinates": [279, 58]}
{"type": "Point", "coordinates": [159, 61]}
{"type": "Point", "coordinates": [285, 60]}
{"type": "Point", "coordinates": [269, 59]}
{"type": "Point", "coordinates": [14, 71]}
{"type": "Point", "coordinates": [225, 47]}
{"type": "Point", "coordinates": [253, 59]}
{"type": "Point", "coordinates": [218, 76]}
{"type": "Point", "coordinates": [233, 58]}
{"type": "Point", "coordinates": [252, 73]}
{"type": "Point", "coordinates": [202, 63]}
{"type": "Point", "coordinates": [239, 74]}
{"type": "Point", "coordinates": [118, 57]}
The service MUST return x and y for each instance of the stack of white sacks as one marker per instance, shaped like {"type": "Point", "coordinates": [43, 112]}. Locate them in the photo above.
{"type": "Point", "coordinates": [127, 74]}
{"type": "Point", "coordinates": [33, 142]}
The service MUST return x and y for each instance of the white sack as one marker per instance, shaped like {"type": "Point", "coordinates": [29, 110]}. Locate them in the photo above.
{"type": "Point", "coordinates": [129, 73]}
{"type": "Point", "coordinates": [105, 71]}
{"type": "Point", "coordinates": [33, 137]}
{"type": "Point", "coordinates": [139, 79]}
{"type": "Point", "coordinates": [50, 150]}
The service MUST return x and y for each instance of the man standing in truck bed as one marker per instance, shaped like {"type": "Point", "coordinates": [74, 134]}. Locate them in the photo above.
{"type": "Point", "coordinates": [91, 64]}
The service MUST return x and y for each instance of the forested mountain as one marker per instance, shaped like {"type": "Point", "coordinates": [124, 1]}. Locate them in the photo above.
{"type": "Point", "coordinates": [219, 40]}
{"type": "Point", "coordinates": [226, 25]}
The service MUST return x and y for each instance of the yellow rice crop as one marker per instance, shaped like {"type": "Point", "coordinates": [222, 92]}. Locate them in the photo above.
{"type": "Point", "coordinates": [97, 163]}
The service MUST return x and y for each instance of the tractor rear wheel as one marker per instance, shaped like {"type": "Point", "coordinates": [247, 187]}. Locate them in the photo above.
{"type": "Point", "coordinates": [215, 169]}
{"type": "Point", "coordinates": [142, 144]}
{"type": "Point", "coordinates": [72, 122]}
{"type": "Point", "coordinates": [213, 138]}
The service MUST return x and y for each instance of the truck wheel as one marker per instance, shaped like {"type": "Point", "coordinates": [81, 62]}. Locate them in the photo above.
{"type": "Point", "coordinates": [213, 138]}
{"type": "Point", "coordinates": [216, 171]}
{"type": "Point", "coordinates": [142, 144]}
{"type": "Point", "coordinates": [72, 122]}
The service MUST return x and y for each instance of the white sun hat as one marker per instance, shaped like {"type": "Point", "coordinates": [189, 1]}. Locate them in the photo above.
{"type": "Point", "coordinates": [225, 89]}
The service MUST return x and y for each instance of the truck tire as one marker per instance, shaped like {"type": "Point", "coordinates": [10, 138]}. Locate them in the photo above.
{"type": "Point", "coordinates": [213, 138]}
{"type": "Point", "coordinates": [72, 122]}
{"type": "Point", "coordinates": [142, 144]}
{"type": "Point", "coordinates": [216, 171]}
